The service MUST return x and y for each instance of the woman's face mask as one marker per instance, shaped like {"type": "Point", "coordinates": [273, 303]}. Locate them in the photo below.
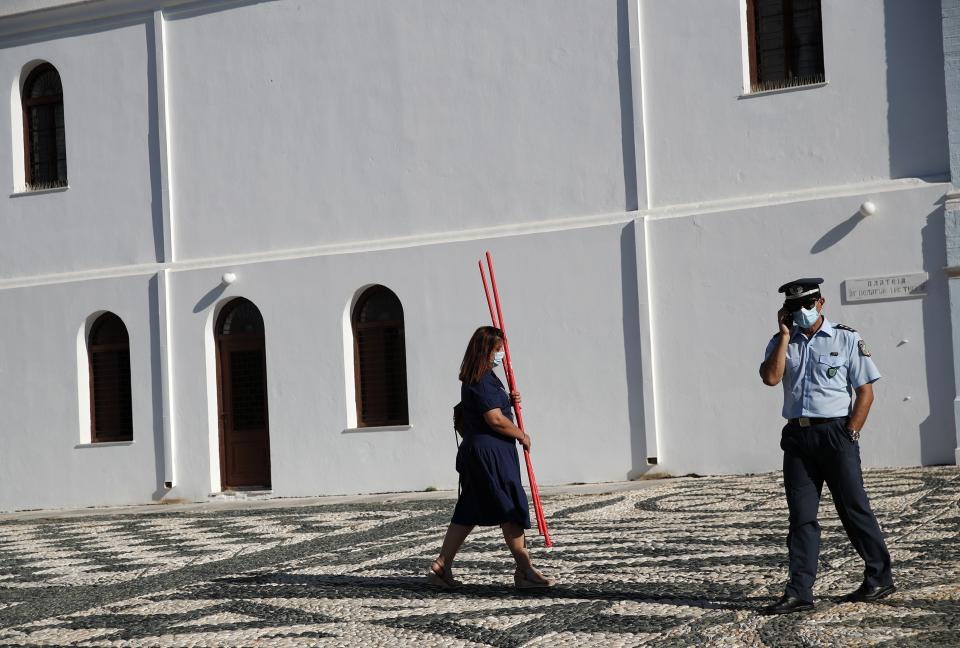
{"type": "Point", "coordinates": [498, 358]}
{"type": "Point", "coordinates": [806, 317]}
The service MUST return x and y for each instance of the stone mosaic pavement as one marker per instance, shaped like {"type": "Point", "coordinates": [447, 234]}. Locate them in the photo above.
{"type": "Point", "coordinates": [686, 562]}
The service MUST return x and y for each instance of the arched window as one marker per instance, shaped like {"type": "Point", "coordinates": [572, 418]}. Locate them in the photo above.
{"type": "Point", "coordinates": [380, 363]}
{"type": "Point", "coordinates": [111, 414]}
{"type": "Point", "coordinates": [45, 146]}
{"type": "Point", "coordinates": [241, 317]}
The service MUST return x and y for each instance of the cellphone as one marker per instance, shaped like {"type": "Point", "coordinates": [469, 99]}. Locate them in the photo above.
{"type": "Point", "coordinates": [787, 317]}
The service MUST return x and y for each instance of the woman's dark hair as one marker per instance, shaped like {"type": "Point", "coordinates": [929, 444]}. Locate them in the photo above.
{"type": "Point", "coordinates": [476, 359]}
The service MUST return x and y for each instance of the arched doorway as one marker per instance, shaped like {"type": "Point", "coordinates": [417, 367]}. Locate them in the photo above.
{"type": "Point", "coordinates": [242, 395]}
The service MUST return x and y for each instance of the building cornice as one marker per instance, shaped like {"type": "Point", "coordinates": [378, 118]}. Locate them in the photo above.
{"type": "Point", "coordinates": [498, 231]}
{"type": "Point", "coordinates": [19, 17]}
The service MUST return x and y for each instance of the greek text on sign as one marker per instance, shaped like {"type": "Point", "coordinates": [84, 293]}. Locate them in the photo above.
{"type": "Point", "coordinates": [892, 287]}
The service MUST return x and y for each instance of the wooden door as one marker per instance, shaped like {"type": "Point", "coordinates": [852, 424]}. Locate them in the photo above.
{"type": "Point", "coordinates": [242, 385]}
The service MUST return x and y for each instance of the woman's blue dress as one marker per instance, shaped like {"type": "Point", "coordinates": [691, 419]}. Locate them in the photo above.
{"type": "Point", "coordinates": [491, 491]}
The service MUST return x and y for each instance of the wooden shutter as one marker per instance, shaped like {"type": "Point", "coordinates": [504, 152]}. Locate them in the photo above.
{"type": "Point", "coordinates": [380, 369]}
{"type": "Point", "coordinates": [807, 40]}
{"type": "Point", "coordinates": [111, 411]}
{"type": "Point", "coordinates": [771, 43]}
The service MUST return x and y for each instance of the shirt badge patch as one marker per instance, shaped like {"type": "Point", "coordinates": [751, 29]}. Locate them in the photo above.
{"type": "Point", "coordinates": [831, 372]}
{"type": "Point", "coordinates": [864, 351]}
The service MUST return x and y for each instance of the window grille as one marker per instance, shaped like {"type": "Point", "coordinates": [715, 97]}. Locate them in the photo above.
{"type": "Point", "coordinates": [785, 43]}
{"type": "Point", "coordinates": [380, 367]}
{"type": "Point", "coordinates": [242, 317]}
{"type": "Point", "coordinates": [111, 412]}
{"type": "Point", "coordinates": [45, 147]}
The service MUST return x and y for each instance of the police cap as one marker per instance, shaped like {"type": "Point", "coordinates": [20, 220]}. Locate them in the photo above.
{"type": "Point", "coordinates": [801, 290]}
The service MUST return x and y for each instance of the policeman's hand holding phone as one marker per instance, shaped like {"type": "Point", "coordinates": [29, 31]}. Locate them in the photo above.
{"type": "Point", "coordinates": [784, 319]}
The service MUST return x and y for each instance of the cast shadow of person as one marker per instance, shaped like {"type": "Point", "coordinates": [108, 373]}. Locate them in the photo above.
{"type": "Point", "coordinates": [708, 597]}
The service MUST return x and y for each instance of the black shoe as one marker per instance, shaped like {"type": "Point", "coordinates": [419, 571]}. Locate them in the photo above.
{"type": "Point", "coordinates": [786, 605]}
{"type": "Point", "coordinates": [869, 593]}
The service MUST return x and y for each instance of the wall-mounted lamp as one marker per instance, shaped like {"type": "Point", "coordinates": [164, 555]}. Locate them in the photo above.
{"type": "Point", "coordinates": [228, 278]}
{"type": "Point", "coordinates": [868, 209]}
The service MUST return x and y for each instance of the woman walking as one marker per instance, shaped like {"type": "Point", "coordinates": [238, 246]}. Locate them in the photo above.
{"type": "Point", "coordinates": [491, 491]}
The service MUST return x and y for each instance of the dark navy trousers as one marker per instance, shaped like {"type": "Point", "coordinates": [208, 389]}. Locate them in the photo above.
{"type": "Point", "coordinates": [811, 456]}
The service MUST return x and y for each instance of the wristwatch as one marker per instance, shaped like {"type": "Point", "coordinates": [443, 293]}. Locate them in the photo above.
{"type": "Point", "coordinates": [853, 434]}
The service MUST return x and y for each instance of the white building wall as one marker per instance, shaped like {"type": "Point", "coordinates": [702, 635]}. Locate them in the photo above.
{"type": "Point", "coordinates": [108, 216]}
{"type": "Point", "coordinates": [566, 318]}
{"type": "Point", "coordinates": [715, 277]}
{"type": "Point", "coordinates": [46, 459]}
{"type": "Point", "coordinates": [880, 115]}
{"type": "Point", "coordinates": [372, 120]}
{"type": "Point", "coordinates": [377, 142]}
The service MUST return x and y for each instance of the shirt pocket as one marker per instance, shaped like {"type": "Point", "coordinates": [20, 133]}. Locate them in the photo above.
{"type": "Point", "coordinates": [832, 368]}
{"type": "Point", "coordinates": [793, 358]}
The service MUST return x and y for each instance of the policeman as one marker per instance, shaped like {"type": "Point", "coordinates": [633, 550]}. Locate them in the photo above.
{"type": "Point", "coordinates": [821, 364]}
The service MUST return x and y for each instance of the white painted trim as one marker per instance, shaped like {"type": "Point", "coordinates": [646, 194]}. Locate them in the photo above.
{"type": "Point", "coordinates": [103, 444]}
{"type": "Point", "coordinates": [640, 179]}
{"type": "Point", "coordinates": [640, 110]}
{"type": "Point", "coordinates": [649, 375]}
{"type": "Point", "coordinates": [789, 197]}
{"type": "Point", "coordinates": [744, 48]}
{"type": "Point", "coordinates": [18, 17]}
{"type": "Point", "coordinates": [166, 378]}
{"type": "Point", "coordinates": [25, 7]}
{"type": "Point", "coordinates": [763, 93]}
{"type": "Point", "coordinates": [35, 192]}
{"type": "Point", "coordinates": [84, 433]}
{"type": "Point", "coordinates": [163, 135]}
{"type": "Point", "coordinates": [501, 231]}
{"type": "Point", "coordinates": [213, 405]}
{"type": "Point", "coordinates": [381, 428]}
{"type": "Point", "coordinates": [16, 135]}
{"type": "Point", "coordinates": [349, 380]}
{"type": "Point", "coordinates": [648, 327]}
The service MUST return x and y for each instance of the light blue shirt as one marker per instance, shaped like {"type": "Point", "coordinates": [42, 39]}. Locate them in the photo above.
{"type": "Point", "coordinates": [822, 372]}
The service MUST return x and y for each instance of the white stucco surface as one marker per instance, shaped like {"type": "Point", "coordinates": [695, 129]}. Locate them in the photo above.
{"type": "Point", "coordinates": [641, 212]}
{"type": "Point", "coordinates": [718, 301]}
{"type": "Point", "coordinates": [371, 119]}
{"type": "Point", "coordinates": [106, 216]}
{"type": "Point", "coordinates": [44, 463]}
{"type": "Point", "coordinates": [881, 113]}
{"type": "Point", "coordinates": [573, 391]}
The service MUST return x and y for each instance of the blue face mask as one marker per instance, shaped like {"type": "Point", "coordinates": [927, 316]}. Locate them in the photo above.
{"type": "Point", "coordinates": [806, 317]}
{"type": "Point", "coordinates": [498, 358]}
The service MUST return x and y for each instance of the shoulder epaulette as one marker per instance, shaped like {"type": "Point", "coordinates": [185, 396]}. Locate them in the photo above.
{"type": "Point", "coordinates": [844, 327]}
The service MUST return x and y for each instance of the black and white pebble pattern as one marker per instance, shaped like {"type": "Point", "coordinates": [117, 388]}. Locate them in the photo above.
{"type": "Point", "coordinates": [685, 563]}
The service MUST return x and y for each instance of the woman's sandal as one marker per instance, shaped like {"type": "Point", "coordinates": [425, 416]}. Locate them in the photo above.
{"type": "Point", "coordinates": [443, 579]}
{"type": "Point", "coordinates": [532, 579]}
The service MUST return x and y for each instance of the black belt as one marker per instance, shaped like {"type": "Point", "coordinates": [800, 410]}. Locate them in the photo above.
{"type": "Point", "coordinates": [807, 421]}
